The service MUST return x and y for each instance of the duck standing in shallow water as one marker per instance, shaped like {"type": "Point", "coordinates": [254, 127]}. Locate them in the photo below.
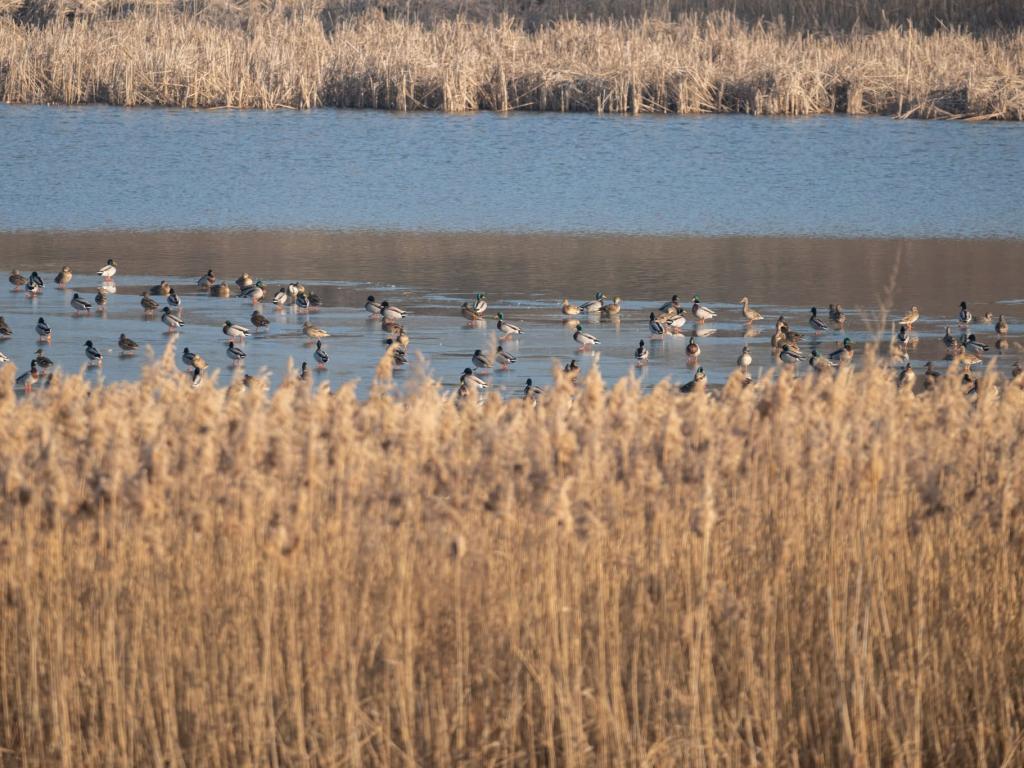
{"type": "Point", "coordinates": [531, 391]}
{"type": "Point", "coordinates": [503, 358]}
{"type": "Point", "coordinates": [171, 320]}
{"type": "Point", "coordinates": [234, 331]}
{"type": "Point", "coordinates": [701, 312]}
{"type": "Point", "coordinates": [750, 315]}
{"type": "Point", "coordinates": [235, 354]}
{"type": "Point", "coordinates": [312, 331]}
{"type": "Point", "coordinates": [320, 354]}
{"type": "Point", "coordinates": [43, 330]}
{"type": "Point", "coordinates": [108, 270]}
{"type": "Point", "coordinates": [259, 320]}
{"type": "Point", "coordinates": [745, 360]}
{"type": "Point", "coordinates": [148, 305]}
{"type": "Point", "coordinates": [570, 309]}
{"type": "Point", "coordinates": [1002, 327]}
{"type": "Point", "coordinates": [506, 329]}
{"type": "Point", "coordinates": [693, 349]}
{"type": "Point", "coordinates": [63, 278]}
{"type": "Point", "coordinates": [93, 355]}
{"type": "Point", "coordinates": [910, 318]}
{"type": "Point", "coordinates": [5, 329]}
{"type": "Point", "coordinates": [657, 327]}
{"type": "Point", "coordinates": [965, 314]}
{"type": "Point", "coordinates": [594, 305]}
{"type": "Point", "coordinates": [80, 305]}
{"type": "Point", "coordinates": [816, 322]}
{"type": "Point", "coordinates": [128, 346]}
{"type": "Point", "coordinates": [17, 280]}
{"type": "Point", "coordinates": [642, 353]}
{"type": "Point", "coordinates": [471, 381]}
{"type": "Point", "coordinates": [836, 315]}
{"type": "Point", "coordinates": [221, 291]}
{"type": "Point", "coordinates": [584, 339]}
{"type": "Point", "coordinates": [207, 281]}
{"type": "Point", "coordinates": [697, 384]}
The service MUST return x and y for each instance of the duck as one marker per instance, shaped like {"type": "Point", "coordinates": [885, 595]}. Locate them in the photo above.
{"type": "Point", "coordinates": [173, 300]}
{"type": "Point", "coordinates": [480, 360]}
{"type": "Point", "coordinates": [295, 289]}
{"type": "Point", "coordinates": [235, 330]}
{"type": "Point", "coordinates": [148, 305]}
{"type": "Point", "coordinates": [701, 312]}
{"type": "Point", "coordinates": [778, 338]}
{"type": "Point", "coordinates": [472, 381]}
{"type": "Point", "coordinates": [844, 354]}
{"type": "Point", "coordinates": [281, 297]}
{"type": "Point", "coordinates": [235, 354]}
{"type": "Point", "coordinates": [816, 322]}
{"type": "Point", "coordinates": [255, 292]}
{"type": "Point", "coordinates": [27, 379]}
{"type": "Point", "coordinates": [903, 335]}
{"type": "Point", "coordinates": [697, 384]}
{"type": "Point", "coordinates": [531, 390]}
{"type": "Point", "coordinates": [191, 359]}
{"type": "Point", "coordinates": [259, 320]}
{"type": "Point", "coordinates": [398, 353]}
{"type": "Point", "coordinates": [613, 308]}
{"type": "Point", "coordinates": [675, 323]}
{"type": "Point", "coordinates": [108, 270]}
{"type": "Point", "coordinates": [949, 339]}
{"type": "Point", "coordinates": [974, 346]}
{"type": "Point", "coordinates": [35, 279]}
{"type": "Point", "coordinates": [207, 281]}
{"type": "Point", "coordinates": [965, 314]}
{"type": "Point", "coordinates": [390, 313]}
{"type": "Point", "coordinates": [910, 318]}
{"type": "Point", "coordinates": [171, 320]}
{"type": "Point", "coordinates": [594, 305]}
{"type": "Point", "coordinates": [820, 363]}
{"type": "Point", "coordinates": [906, 377]}
{"type": "Point", "coordinates": [243, 281]}
{"type": "Point", "coordinates": [931, 376]}
{"type": "Point", "coordinates": [373, 307]}
{"type": "Point", "coordinates": [93, 354]}
{"type": "Point", "coordinates": [63, 277]}
{"type": "Point", "coordinates": [570, 309]}
{"type": "Point", "coordinates": [304, 372]}
{"type": "Point", "coordinates": [471, 314]}
{"type": "Point", "coordinates": [32, 290]}
{"type": "Point", "coordinates": [504, 358]}
{"type": "Point", "coordinates": [197, 377]}
{"type": "Point", "coordinates": [750, 315]}
{"type": "Point", "coordinates": [693, 348]}
{"type": "Point", "coordinates": [43, 330]}
{"type": "Point", "coordinates": [508, 330]}
{"type": "Point", "coordinates": [4, 359]}
{"type": "Point", "coordinates": [42, 361]}
{"type": "Point", "coordinates": [790, 355]}
{"type": "Point", "coordinates": [745, 360]}
{"type": "Point", "coordinates": [17, 280]}
{"type": "Point", "coordinates": [480, 303]}
{"type": "Point", "coordinates": [572, 370]}
{"type": "Point", "coordinates": [5, 329]}
{"type": "Point", "coordinates": [79, 304]}
{"type": "Point", "coordinates": [127, 345]}
{"type": "Point", "coordinates": [671, 306]}
{"type": "Point", "coordinates": [1002, 327]}
{"type": "Point", "coordinates": [101, 298]}
{"type": "Point", "coordinates": [642, 353]}
{"type": "Point", "coordinates": [583, 338]}
{"type": "Point", "coordinates": [162, 289]}
{"type": "Point", "coordinates": [220, 291]}
{"type": "Point", "coordinates": [320, 354]}
{"type": "Point", "coordinates": [836, 314]}
{"type": "Point", "coordinates": [313, 331]}
{"type": "Point", "coordinates": [302, 302]}
{"type": "Point", "coordinates": [656, 326]}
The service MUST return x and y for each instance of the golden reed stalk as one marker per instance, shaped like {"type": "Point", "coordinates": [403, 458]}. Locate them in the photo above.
{"type": "Point", "coordinates": [696, 64]}
{"type": "Point", "coordinates": [801, 572]}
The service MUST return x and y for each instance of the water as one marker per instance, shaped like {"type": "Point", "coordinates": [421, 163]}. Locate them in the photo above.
{"type": "Point", "coordinates": [101, 168]}
{"type": "Point", "coordinates": [427, 210]}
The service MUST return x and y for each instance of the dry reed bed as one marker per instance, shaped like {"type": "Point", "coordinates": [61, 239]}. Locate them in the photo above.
{"type": "Point", "coordinates": [801, 572]}
{"type": "Point", "coordinates": [699, 64]}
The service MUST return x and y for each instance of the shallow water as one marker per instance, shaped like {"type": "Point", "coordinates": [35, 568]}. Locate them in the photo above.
{"type": "Point", "coordinates": [141, 169]}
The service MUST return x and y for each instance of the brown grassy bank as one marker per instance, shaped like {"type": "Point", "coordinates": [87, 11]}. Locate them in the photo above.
{"type": "Point", "coordinates": [696, 64]}
{"type": "Point", "coordinates": [809, 572]}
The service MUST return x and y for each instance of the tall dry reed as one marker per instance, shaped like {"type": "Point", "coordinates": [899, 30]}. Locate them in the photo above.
{"type": "Point", "coordinates": [800, 572]}
{"type": "Point", "coordinates": [697, 64]}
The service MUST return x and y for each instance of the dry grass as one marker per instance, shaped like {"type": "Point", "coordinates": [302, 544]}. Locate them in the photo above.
{"type": "Point", "coordinates": [697, 64]}
{"type": "Point", "coordinates": [805, 572]}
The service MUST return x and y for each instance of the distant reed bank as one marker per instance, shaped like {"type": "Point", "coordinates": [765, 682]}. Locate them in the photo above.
{"type": "Point", "coordinates": [823, 571]}
{"type": "Point", "coordinates": [692, 64]}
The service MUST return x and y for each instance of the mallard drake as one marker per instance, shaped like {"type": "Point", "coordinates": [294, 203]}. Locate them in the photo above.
{"type": "Point", "coordinates": [816, 322]}
{"type": "Point", "coordinates": [127, 345]}
{"type": "Point", "coordinates": [35, 279]}
{"type": "Point", "coordinates": [965, 314]}
{"type": "Point", "coordinates": [281, 297]}
{"type": "Point", "coordinates": [471, 314]}
{"type": "Point", "coordinates": [613, 308]}
{"type": "Point", "coordinates": [243, 281]}
{"type": "Point", "coordinates": [148, 305]}
{"type": "Point", "coordinates": [675, 323]}
{"type": "Point", "coordinates": [42, 361]}
{"type": "Point", "coordinates": [642, 353]}
{"type": "Point", "coordinates": [844, 354]}
{"type": "Point", "coordinates": [108, 270]}
{"type": "Point", "coordinates": [171, 320]}
{"type": "Point", "coordinates": [507, 330]}
{"type": "Point", "coordinates": [480, 304]}
{"type": "Point", "coordinates": [472, 381]}
{"type": "Point", "coordinates": [531, 390]}
{"type": "Point", "coordinates": [79, 304]}
{"type": "Point", "coordinates": [657, 327]}
{"type": "Point", "coordinates": [398, 353]}
{"type": "Point", "coordinates": [313, 331]}
{"type": "Point", "coordinates": [671, 306]}
{"type": "Point", "coordinates": [207, 281]}
{"type": "Point", "coordinates": [390, 313]}
{"type": "Point", "coordinates": [188, 357]}
{"type": "Point", "coordinates": [701, 312]}
{"type": "Point", "coordinates": [480, 360]}
{"type": "Point", "coordinates": [255, 292]}
{"type": "Point", "coordinates": [5, 329]}
{"type": "Point", "coordinates": [594, 305]}
{"type": "Point", "coordinates": [17, 280]}
{"type": "Point", "coordinates": [197, 377]}
{"type": "Point", "coordinates": [259, 320]}
{"type": "Point", "coordinates": [32, 290]}
{"type": "Point", "coordinates": [745, 360]}
{"type": "Point", "coordinates": [903, 335]}
{"type": "Point", "coordinates": [570, 309]}
{"type": "Point", "coordinates": [697, 384]}
{"type": "Point", "coordinates": [974, 346]}
{"type": "Point", "coordinates": [43, 330]}
{"type": "Point", "coordinates": [1002, 327]}
{"type": "Point", "coordinates": [693, 348]}
{"type": "Point", "coordinates": [931, 376]}
{"type": "Point", "coordinates": [27, 379]}
{"type": "Point", "coordinates": [162, 289]}
{"type": "Point", "coordinates": [221, 291]}
{"type": "Point", "coordinates": [906, 377]}
{"type": "Point", "coordinates": [820, 363]}
{"type": "Point", "coordinates": [63, 277]}
{"type": "Point", "coordinates": [320, 354]}
{"type": "Point", "coordinates": [750, 315]}
{"type": "Point", "coordinates": [101, 298]}
{"type": "Point", "coordinates": [93, 354]}
{"type": "Point", "coordinates": [836, 314]}
{"type": "Point", "coordinates": [235, 354]}
{"type": "Point", "coordinates": [503, 358]}
{"type": "Point", "coordinates": [572, 370]}
{"type": "Point", "coordinates": [790, 355]}
{"type": "Point", "coordinates": [307, 300]}
{"type": "Point", "coordinates": [235, 331]}
{"type": "Point", "coordinates": [583, 338]}
{"type": "Point", "coordinates": [910, 318]}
